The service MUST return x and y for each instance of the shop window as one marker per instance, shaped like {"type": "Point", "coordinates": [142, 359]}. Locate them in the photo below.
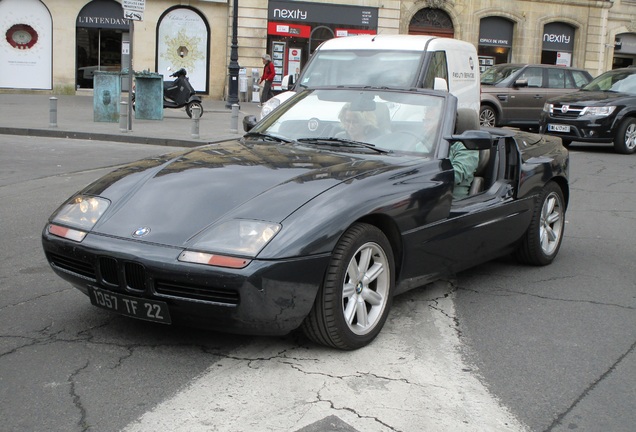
{"type": "Point", "coordinates": [495, 41]}
{"type": "Point", "coordinates": [183, 41]}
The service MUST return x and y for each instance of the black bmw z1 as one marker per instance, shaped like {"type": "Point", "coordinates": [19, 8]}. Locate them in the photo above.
{"type": "Point", "coordinates": [298, 225]}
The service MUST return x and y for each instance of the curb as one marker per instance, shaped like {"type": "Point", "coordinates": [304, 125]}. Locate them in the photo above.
{"type": "Point", "coordinates": [124, 137]}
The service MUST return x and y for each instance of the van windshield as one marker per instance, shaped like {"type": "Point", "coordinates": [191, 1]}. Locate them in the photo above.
{"type": "Point", "coordinates": [362, 68]}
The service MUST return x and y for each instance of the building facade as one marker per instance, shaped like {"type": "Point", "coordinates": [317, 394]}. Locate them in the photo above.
{"type": "Point", "coordinates": [57, 45]}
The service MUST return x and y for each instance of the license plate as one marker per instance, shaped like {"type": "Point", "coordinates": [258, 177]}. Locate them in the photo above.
{"type": "Point", "coordinates": [150, 310]}
{"type": "Point", "coordinates": [558, 128]}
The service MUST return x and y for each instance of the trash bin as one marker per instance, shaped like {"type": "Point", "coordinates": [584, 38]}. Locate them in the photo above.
{"type": "Point", "coordinates": [148, 96]}
{"type": "Point", "coordinates": [106, 96]}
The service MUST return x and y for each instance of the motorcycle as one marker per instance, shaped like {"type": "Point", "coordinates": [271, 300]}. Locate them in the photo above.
{"type": "Point", "coordinates": [179, 93]}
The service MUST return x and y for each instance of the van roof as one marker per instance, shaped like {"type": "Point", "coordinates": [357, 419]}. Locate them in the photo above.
{"type": "Point", "coordinates": [394, 43]}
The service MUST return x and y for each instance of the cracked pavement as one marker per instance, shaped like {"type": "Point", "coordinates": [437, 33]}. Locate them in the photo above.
{"type": "Point", "coordinates": [411, 378]}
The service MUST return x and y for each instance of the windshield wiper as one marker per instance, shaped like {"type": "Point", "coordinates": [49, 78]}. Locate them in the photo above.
{"type": "Point", "coordinates": [266, 137]}
{"type": "Point", "coordinates": [341, 142]}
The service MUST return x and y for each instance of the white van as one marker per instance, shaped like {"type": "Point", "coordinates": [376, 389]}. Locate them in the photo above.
{"type": "Point", "coordinates": [391, 61]}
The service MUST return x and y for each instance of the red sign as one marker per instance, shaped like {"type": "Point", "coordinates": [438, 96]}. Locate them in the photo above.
{"type": "Point", "coordinates": [286, 29]}
{"type": "Point", "coordinates": [353, 32]}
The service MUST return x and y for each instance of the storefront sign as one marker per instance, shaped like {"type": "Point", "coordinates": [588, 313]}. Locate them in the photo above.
{"type": "Point", "coordinates": [102, 14]}
{"type": "Point", "coordinates": [353, 32]}
{"type": "Point", "coordinates": [495, 31]}
{"type": "Point", "coordinates": [322, 13]}
{"type": "Point", "coordinates": [558, 36]}
{"type": "Point", "coordinates": [287, 29]}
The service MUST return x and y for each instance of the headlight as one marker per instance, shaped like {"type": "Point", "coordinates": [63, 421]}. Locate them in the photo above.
{"type": "Point", "coordinates": [80, 212]}
{"type": "Point", "coordinates": [547, 107]}
{"type": "Point", "coordinates": [238, 237]}
{"type": "Point", "coordinates": [269, 106]}
{"type": "Point", "coordinates": [603, 111]}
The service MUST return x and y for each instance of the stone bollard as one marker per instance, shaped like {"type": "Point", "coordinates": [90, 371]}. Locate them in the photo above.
{"type": "Point", "coordinates": [123, 116]}
{"type": "Point", "coordinates": [196, 115]}
{"type": "Point", "coordinates": [53, 112]}
{"type": "Point", "coordinates": [234, 119]}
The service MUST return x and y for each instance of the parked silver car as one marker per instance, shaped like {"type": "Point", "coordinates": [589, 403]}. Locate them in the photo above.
{"type": "Point", "coordinates": [514, 94]}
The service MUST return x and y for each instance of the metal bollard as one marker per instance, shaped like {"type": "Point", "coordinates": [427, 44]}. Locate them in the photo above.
{"type": "Point", "coordinates": [52, 112]}
{"type": "Point", "coordinates": [123, 116]}
{"type": "Point", "coordinates": [196, 115]}
{"type": "Point", "coordinates": [234, 119]}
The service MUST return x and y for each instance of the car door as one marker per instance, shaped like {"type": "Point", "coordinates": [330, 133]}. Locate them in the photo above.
{"type": "Point", "coordinates": [476, 228]}
{"type": "Point", "coordinates": [526, 102]}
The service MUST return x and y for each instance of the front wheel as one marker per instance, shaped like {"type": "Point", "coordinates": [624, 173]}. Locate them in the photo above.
{"type": "Point", "coordinates": [353, 302]}
{"type": "Point", "coordinates": [487, 116]}
{"type": "Point", "coordinates": [625, 141]}
{"type": "Point", "coordinates": [542, 241]}
{"type": "Point", "coordinates": [193, 104]}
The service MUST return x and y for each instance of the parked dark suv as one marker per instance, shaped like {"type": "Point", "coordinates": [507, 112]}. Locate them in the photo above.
{"type": "Point", "coordinates": [603, 111]}
{"type": "Point", "coordinates": [514, 94]}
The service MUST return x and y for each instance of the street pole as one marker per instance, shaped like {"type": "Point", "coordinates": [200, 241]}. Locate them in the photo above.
{"type": "Point", "coordinates": [130, 74]}
{"type": "Point", "coordinates": [232, 97]}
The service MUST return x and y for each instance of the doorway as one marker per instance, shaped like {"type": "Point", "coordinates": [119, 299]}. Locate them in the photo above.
{"type": "Point", "coordinates": [97, 50]}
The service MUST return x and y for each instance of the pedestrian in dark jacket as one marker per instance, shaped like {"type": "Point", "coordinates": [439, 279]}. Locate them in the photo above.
{"type": "Point", "coordinates": [268, 77]}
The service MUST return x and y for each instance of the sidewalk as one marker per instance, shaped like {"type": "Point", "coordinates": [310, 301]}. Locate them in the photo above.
{"type": "Point", "coordinates": [29, 114]}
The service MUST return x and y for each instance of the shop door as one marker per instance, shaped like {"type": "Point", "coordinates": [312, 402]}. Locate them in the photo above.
{"type": "Point", "coordinates": [97, 50]}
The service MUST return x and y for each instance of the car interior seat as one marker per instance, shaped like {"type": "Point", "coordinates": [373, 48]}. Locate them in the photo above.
{"type": "Point", "coordinates": [467, 119]}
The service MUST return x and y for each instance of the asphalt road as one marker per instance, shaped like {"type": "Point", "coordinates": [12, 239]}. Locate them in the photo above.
{"type": "Point", "coordinates": [502, 347]}
{"type": "Point", "coordinates": [556, 343]}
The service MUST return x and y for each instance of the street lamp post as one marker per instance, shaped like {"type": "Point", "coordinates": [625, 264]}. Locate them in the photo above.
{"type": "Point", "coordinates": [232, 97]}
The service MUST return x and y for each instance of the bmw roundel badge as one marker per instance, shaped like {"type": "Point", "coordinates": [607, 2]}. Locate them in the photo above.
{"type": "Point", "coordinates": [140, 232]}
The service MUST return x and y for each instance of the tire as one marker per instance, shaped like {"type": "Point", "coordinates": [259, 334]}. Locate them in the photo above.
{"type": "Point", "coordinates": [625, 141]}
{"type": "Point", "coordinates": [542, 241]}
{"type": "Point", "coordinates": [354, 300]}
{"type": "Point", "coordinates": [487, 116]}
{"type": "Point", "coordinates": [191, 105]}
{"type": "Point", "coordinates": [132, 101]}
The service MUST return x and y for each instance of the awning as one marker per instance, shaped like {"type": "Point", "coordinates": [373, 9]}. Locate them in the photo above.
{"type": "Point", "coordinates": [105, 14]}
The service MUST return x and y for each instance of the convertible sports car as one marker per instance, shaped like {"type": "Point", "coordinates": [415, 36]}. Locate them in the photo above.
{"type": "Point", "coordinates": [297, 224]}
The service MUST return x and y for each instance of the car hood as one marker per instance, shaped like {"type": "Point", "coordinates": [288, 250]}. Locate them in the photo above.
{"type": "Point", "coordinates": [587, 98]}
{"type": "Point", "coordinates": [176, 196]}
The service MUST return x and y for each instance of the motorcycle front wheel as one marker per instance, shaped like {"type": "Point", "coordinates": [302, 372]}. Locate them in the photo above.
{"type": "Point", "coordinates": [190, 105]}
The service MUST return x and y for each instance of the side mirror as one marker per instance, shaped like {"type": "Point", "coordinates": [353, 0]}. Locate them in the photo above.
{"type": "Point", "coordinates": [473, 139]}
{"type": "Point", "coordinates": [287, 82]}
{"type": "Point", "coordinates": [440, 84]}
{"type": "Point", "coordinates": [249, 122]}
{"type": "Point", "coordinates": [521, 82]}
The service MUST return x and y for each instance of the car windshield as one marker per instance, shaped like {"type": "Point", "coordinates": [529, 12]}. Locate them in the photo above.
{"type": "Point", "coordinates": [360, 120]}
{"type": "Point", "coordinates": [501, 74]}
{"type": "Point", "coordinates": [362, 67]}
{"type": "Point", "coordinates": [615, 81]}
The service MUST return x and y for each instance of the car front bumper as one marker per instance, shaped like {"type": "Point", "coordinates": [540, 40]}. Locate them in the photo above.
{"type": "Point", "coordinates": [593, 130]}
{"type": "Point", "coordinates": [264, 298]}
